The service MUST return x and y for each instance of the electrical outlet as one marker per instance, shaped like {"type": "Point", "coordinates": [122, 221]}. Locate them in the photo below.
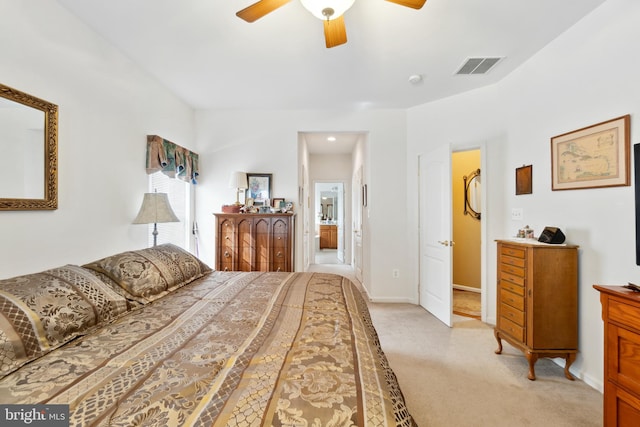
{"type": "Point", "coordinates": [395, 273]}
{"type": "Point", "coordinates": [516, 214]}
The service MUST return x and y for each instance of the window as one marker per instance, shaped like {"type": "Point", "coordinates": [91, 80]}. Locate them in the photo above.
{"type": "Point", "coordinates": [179, 193]}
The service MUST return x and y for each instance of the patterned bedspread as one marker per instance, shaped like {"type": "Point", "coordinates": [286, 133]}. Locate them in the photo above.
{"type": "Point", "coordinates": [229, 349]}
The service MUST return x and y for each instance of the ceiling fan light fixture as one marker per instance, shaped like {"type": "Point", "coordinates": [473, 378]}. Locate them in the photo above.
{"type": "Point", "coordinates": [327, 9]}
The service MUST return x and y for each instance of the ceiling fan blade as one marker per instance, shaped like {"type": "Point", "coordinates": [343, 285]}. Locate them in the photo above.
{"type": "Point", "coordinates": [335, 32]}
{"type": "Point", "coordinates": [259, 9]}
{"type": "Point", "coordinates": [414, 4]}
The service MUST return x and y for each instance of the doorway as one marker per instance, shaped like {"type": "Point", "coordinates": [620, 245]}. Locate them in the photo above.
{"type": "Point", "coordinates": [437, 200]}
{"type": "Point", "coordinates": [333, 159]}
{"type": "Point", "coordinates": [328, 217]}
{"type": "Point", "coordinates": [466, 189]}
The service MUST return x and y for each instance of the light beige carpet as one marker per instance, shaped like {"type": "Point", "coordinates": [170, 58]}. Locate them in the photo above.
{"type": "Point", "coordinates": [451, 377]}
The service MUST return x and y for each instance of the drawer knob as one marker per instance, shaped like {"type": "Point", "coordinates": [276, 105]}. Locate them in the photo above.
{"type": "Point", "coordinates": [227, 254]}
{"type": "Point", "coordinates": [279, 254]}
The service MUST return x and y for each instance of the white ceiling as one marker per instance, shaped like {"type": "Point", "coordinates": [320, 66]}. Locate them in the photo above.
{"type": "Point", "coordinates": [210, 58]}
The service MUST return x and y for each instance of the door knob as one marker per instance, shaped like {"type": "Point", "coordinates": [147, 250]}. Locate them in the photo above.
{"type": "Point", "coordinates": [445, 243]}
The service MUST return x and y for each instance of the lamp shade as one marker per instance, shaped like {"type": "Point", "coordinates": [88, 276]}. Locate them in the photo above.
{"type": "Point", "coordinates": [318, 7]}
{"type": "Point", "coordinates": [155, 208]}
{"type": "Point", "coordinates": [238, 180]}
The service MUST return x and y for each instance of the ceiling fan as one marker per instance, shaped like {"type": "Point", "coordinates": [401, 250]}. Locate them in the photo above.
{"type": "Point", "coordinates": [330, 11]}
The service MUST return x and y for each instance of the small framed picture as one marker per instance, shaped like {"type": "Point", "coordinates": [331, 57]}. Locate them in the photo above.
{"type": "Point", "coordinates": [277, 203]}
{"type": "Point", "coordinates": [523, 180]}
{"type": "Point", "coordinates": [259, 187]}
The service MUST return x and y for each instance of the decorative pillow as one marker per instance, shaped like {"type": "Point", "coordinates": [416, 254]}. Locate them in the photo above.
{"type": "Point", "coordinates": [40, 312]}
{"type": "Point", "coordinates": [131, 304]}
{"type": "Point", "coordinates": [148, 274]}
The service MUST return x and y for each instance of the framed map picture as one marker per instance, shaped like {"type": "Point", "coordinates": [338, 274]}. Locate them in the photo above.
{"type": "Point", "coordinates": [595, 156]}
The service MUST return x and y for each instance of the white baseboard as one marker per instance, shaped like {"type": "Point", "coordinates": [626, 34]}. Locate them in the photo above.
{"type": "Point", "coordinates": [466, 288]}
{"type": "Point", "coordinates": [392, 300]}
{"type": "Point", "coordinates": [595, 383]}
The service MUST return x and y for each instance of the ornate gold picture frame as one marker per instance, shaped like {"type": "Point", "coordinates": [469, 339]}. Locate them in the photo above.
{"type": "Point", "coordinates": [44, 152]}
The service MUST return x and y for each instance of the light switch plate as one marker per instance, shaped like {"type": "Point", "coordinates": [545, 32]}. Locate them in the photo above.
{"type": "Point", "coordinates": [516, 214]}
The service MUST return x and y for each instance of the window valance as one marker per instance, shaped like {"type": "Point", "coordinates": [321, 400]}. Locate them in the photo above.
{"type": "Point", "coordinates": [171, 159]}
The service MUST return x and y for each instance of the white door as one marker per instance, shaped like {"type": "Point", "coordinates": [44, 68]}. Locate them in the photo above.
{"type": "Point", "coordinates": [340, 221]}
{"type": "Point", "coordinates": [435, 233]}
{"type": "Point", "coordinates": [357, 222]}
{"type": "Point", "coordinates": [306, 226]}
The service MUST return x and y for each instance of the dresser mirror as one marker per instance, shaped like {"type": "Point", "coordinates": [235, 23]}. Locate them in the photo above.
{"type": "Point", "coordinates": [29, 146]}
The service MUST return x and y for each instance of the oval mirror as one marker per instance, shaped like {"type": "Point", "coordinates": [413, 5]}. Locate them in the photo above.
{"type": "Point", "coordinates": [28, 136]}
{"type": "Point", "coordinates": [472, 187]}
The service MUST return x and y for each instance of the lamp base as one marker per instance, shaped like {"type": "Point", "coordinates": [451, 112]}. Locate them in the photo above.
{"type": "Point", "coordinates": [155, 234]}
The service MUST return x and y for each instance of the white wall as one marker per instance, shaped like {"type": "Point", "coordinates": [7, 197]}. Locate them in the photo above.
{"type": "Point", "coordinates": [107, 106]}
{"type": "Point", "coordinates": [588, 75]}
{"type": "Point", "coordinates": [267, 142]}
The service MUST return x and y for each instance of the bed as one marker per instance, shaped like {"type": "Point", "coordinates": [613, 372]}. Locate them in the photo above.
{"type": "Point", "coordinates": [154, 337]}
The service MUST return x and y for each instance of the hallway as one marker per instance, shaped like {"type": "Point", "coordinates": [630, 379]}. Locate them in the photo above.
{"type": "Point", "coordinates": [341, 269]}
{"type": "Point", "coordinates": [327, 256]}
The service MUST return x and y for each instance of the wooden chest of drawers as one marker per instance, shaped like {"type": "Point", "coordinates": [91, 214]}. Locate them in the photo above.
{"type": "Point", "coordinates": [328, 236]}
{"type": "Point", "coordinates": [621, 315]}
{"type": "Point", "coordinates": [254, 242]}
{"type": "Point", "coordinates": [537, 300]}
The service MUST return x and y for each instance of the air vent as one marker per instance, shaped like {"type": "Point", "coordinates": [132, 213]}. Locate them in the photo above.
{"type": "Point", "coordinates": [478, 65]}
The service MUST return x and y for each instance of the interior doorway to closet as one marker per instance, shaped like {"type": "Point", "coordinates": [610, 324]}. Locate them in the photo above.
{"type": "Point", "coordinates": [466, 188]}
{"type": "Point", "coordinates": [329, 216]}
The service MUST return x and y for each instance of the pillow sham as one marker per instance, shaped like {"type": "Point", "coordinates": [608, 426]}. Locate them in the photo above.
{"type": "Point", "coordinates": [148, 274]}
{"type": "Point", "coordinates": [40, 312]}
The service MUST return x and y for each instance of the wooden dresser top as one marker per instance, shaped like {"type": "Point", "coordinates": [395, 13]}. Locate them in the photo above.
{"type": "Point", "coordinates": [533, 243]}
{"type": "Point", "coordinates": [619, 291]}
